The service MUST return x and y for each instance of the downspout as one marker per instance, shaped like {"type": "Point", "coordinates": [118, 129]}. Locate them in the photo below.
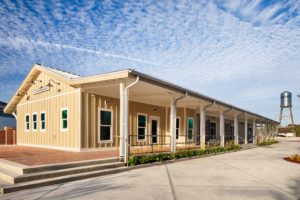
{"type": "Point", "coordinates": [125, 118]}
{"type": "Point", "coordinates": [173, 117]}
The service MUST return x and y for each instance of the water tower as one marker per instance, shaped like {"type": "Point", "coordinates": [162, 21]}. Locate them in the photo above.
{"type": "Point", "coordinates": [286, 102]}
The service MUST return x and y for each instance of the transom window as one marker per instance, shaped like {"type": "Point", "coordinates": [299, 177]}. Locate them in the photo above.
{"type": "Point", "coordinates": [34, 121]}
{"type": "Point", "coordinates": [142, 119]}
{"type": "Point", "coordinates": [177, 127]}
{"type": "Point", "coordinates": [27, 120]}
{"type": "Point", "coordinates": [64, 119]}
{"type": "Point", "coordinates": [190, 128]}
{"type": "Point", "coordinates": [105, 125]}
{"type": "Point", "coordinates": [43, 121]}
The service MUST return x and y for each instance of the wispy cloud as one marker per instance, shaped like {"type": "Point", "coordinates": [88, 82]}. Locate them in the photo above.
{"type": "Point", "coordinates": [242, 52]}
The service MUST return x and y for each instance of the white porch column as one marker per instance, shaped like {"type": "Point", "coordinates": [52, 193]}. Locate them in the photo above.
{"type": "Point", "coordinates": [202, 127]}
{"type": "Point", "coordinates": [222, 128]}
{"type": "Point", "coordinates": [254, 132]}
{"type": "Point", "coordinates": [173, 124]}
{"type": "Point", "coordinates": [246, 129]}
{"type": "Point", "coordinates": [236, 129]}
{"type": "Point", "coordinates": [261, 131]}
{"type": "Point", "coordinates": [121, 139]}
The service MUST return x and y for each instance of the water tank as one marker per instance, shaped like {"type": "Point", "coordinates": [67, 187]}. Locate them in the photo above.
{"type": "Point", "coordinates": [286, 99]}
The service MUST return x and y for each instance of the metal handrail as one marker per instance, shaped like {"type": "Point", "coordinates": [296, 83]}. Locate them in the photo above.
{"type": "Point", "coordinates": [128, 145]}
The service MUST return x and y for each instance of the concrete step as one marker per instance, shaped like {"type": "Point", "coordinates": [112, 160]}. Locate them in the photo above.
{"type": "Point", "coordinates": [52, 167]}
{"type": "Point", "coordinates": [64, 172]}
{"type": "Point", "coordinates": [62, 179]}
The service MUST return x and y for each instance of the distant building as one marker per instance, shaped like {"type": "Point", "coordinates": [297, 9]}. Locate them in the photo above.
{"type": "Point", "coordinates": [6, 119]}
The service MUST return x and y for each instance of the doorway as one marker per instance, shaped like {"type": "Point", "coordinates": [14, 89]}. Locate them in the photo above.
{"type": "Point", "coordinates": [154, 129]}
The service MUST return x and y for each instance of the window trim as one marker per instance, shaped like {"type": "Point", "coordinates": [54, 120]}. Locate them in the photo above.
{"type": "Point", "coordinates": [27, 130]}
{"type": "Point", "coordinates": [193, 130]}
{"type": "Point", "coordinates": [61, 119]}
{"type": "Point", "coordinates": [41, 129]}
{"type": "Point", "coordinates": [178, 128]}
{"type": "Point", "coordinates": [111, 125]}
{"type": "Point", "coordinates": [137, 127]}
{"type": "Point", "coordinates": [35, 130]}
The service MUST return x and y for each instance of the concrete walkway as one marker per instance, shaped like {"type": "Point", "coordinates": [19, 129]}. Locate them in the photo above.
{"type": "Point", "coordinates": [258, 173]}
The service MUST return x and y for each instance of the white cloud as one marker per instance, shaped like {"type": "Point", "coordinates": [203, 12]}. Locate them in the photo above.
{"type": "Point", "coordinates": [196, 45]}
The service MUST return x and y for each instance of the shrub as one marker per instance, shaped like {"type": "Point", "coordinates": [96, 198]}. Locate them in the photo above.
{"type": "Point", "coordinates": [267, 142]}
{"type": "Point", "coordinates": [150, 158]}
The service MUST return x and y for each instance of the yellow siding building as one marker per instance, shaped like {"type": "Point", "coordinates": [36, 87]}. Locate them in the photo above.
{"type": "Point", "coordinates": [56, 109]}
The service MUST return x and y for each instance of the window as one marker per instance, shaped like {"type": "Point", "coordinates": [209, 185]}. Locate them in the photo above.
{"type": "Point", "coordinates": [177, 127]}
{"type": "Point", "coordinates": [142, 119]}
{"type": "Point", "coordinates": [105, 125]}
{"type": "Point", "coordinates": [34, 121]}
{"type": "Point", "coordinates": [190, 128]}
{"type": "Point", "coordinates": [27, 120]}
{"type": "Point", "coordinates": [43, 121]}
{"type": "Point", "coordinates": [64, 119]}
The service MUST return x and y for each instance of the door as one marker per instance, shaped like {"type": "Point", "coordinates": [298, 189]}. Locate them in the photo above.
{"type": "Point", "coordinates": [154, 130]}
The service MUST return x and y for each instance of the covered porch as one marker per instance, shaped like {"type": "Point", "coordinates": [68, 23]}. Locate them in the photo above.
{"type": "Point", "coordinates": [150, 115]}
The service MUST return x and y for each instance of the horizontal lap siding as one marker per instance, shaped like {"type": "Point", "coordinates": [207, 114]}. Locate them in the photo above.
{"type": "Point", "coordinates": [51, 102]}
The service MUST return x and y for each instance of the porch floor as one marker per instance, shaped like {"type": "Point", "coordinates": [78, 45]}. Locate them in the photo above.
{"type": "Point", "coordinates": [32, 156]}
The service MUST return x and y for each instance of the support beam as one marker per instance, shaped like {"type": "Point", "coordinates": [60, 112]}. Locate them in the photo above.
{"type": "Point", "coordinates": [202, 127]}
{"type": "Point", "coordinates": [173, 120]}
{"type": "Point", "coordinates": [222, 129]}
{"type": "Point", "coordinates": [246, 129]}
{"type": "Point", "coordinates": [173, 124]}
{"type": "Point", "coordinates": [254, 132]}
{"type": "Point", "coordinates": [236, 129]}
{"type": "Point", "coordinates": [121, 142]}
{"type": "Point", "coordinates": [203, 124]}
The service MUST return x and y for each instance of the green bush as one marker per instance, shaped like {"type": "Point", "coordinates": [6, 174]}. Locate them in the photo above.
{"type": "Point", "coordinates": [150, 158]}
{"type": "Point", "coordinates": [267, 142]}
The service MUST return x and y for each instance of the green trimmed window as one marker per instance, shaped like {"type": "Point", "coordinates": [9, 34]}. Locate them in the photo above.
{"type": "Point", "coordinates": [190, 128]}
{"type": "Point", "coordinates": [105, 125]}
{"type": "Point", "coordinates": [177, 128]}
{"type": "Point", "coordinates": [34, 122]}
{"type": "Point", "coordinates": [27, 120]}
{"type": "Point", "coordinates": [43, 121]}
{"type": "Point", "coordinates": [64, 119]}
{"type": "Point", "coordinates": [142, 119]}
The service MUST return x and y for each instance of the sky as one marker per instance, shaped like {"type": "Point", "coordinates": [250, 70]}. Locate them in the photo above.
{"type": "Point", "coordinates": [242, 52]}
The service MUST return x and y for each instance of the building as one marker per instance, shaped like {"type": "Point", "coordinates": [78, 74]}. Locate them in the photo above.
{"type": "Point", "coordinates": [56, 109]}
{"type": "Point", "coordinates": [6, 119]}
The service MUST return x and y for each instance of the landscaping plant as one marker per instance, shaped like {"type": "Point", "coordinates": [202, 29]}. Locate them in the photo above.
{"type": "Point", "coordinates": [150, 158]}
{"type": "Point", "coordinates": [267, 142]}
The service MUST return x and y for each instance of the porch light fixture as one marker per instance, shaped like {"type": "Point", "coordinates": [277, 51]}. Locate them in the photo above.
{"type": "Point", "coordinates": [49, 84]}
{"type": "Point", "coordinates": [107, 102]}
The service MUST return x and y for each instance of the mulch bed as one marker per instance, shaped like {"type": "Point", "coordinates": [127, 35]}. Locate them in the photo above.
{"type": "Point", "coordinates": [290, 160]}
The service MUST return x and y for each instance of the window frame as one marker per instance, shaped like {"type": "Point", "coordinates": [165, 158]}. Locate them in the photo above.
{"type": "Point", "coordinates": [35, 130]}
{"type": "Point", "coordinates": [193, 132]}
{"type": "Point", "coordinates": [61, 119]}
{"type": "Point", "coordinates": [99, 125]}
{"type": "Point", "coordinates": [27, 130]}
{"type": "Point", "coordinates": [41, 127]}
{"type": "Point", "coordinates": [137, 127]}
{"type": "Point", "coordinates": [179, 118]}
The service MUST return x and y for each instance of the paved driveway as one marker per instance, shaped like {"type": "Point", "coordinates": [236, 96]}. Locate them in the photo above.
{"type": "Point", "coordinates": [259, 173]}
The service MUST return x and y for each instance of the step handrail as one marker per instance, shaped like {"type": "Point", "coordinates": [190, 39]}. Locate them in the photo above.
{"type": "Point", "coordinates": [128, 145]}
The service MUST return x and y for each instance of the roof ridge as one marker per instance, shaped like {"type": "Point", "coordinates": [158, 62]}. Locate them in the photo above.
{"type": "Point", "coordinates": [59, 70]}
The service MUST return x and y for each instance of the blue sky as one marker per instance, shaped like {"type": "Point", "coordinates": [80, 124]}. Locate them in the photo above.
{"type": "Point", "coordinates": [242, 52]}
